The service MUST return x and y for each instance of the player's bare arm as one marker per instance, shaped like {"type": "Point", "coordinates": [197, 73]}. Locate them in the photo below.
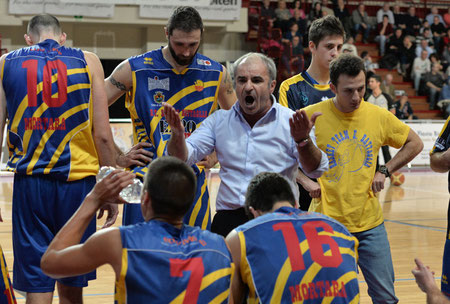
{"type": "Point", "coordinates": [237, 285]}
{"type": "Point", "coordinates": [119, 82]}
{"type": "Point", "coordinates": [413, 145]}
{"type": "Point", "coordinates": [311, 186]}
{"type": "Point", "coordinates": [177, 143]}
{"type": "Point", "coordinates": [227, 95]}
{"type": "Point", "coordinates": [65, 256]}
{"type": "Point", "coordinates": [2, 105]}
{"type": "Point", "coordinates": [440, 161]}
{"type": "Point", "coordinates": [310, 156]}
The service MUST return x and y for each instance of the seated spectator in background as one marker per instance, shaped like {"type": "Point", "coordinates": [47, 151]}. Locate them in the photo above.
{"type": "Point", "coordinates": [434, 81]}
{"type": "Point", "coordinates": [368, 64]}
{"type": "Point", "coordinates": [412, 22]}
{"type": "Point", "coordinates": [403, 109]}
{"type": "Point", "coordinates": [407, 56]}
{"type": "Point", "coordinates": [297, 8]}
{"type": "Point", "coordinates": [294, 65]}
{"type": "Point", "coordinates": [439, 31]}
{"type": "Point", "coordinates": [293, 31]}
{"type": "Point", "coordinates": [260, 264]}
{"type": "Point", "coordinates": [267, 11]}
{"type": "Point", "coordinates": [361, 21]}
{"type": "Point", "coordinates": [425, 25]}
{"type": "Point", "coordinates": [301, 22]}
{"type": "Point", "coordinates": [447, 17]}
{"type": "Point", "coordinates": [349, 46]}
{"type": "Point", "coordinates": [384, 31]}
{"type": "Point", "coordinates": [445, 95]}
{"type": "Point", "coordinates": [446, 38]}
{"type": "Point", "coordinates": [325, 9]}
{"type": "Point", "coordinates": [434, 59]}
{"type": "Point", "coordinates": [428, 35]}
{"type": "Point", "coordinates": [342, 13]}
{"type": "Point", "coordinates": [385, 10]}
{"type": "Point", "coordinates": [423, 46]}
{"type": "Point", "coordinates": [283, 16]}
{"type": "Point", "coordinates": [399, 17]}
{"type": "Point", "coordinates": [395, 42]}
{"type": "Point", "coordinates": [446, 56]}
{"type": "Point", "coordinates": [315, 12]}
{"type": "Point", "coordinates": [434, 12]}
{"type": "Point", "coordinates": [387, 86]}
{"type": "Point", "coordinates": [421, 66]}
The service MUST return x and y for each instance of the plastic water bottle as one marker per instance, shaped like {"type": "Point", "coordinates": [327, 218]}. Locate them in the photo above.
{"type": "Point", "coordinates": [131, 193]}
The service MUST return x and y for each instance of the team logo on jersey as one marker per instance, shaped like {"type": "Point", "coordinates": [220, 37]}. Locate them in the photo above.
{"type": "Point", "coordinates": [148, 60]}
{"type": "Point", "coordinates": [156, 83]}
{"type": "Point", "coordinates": [158, 97]}
{"type": "Point", "coordinates": [199, 85]}
{"type": "Point", "coordinates": [203, 62]}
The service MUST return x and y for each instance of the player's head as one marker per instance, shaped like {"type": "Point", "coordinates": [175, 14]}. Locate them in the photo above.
{"type": "Point", "coordinates": [254, 82]}
{"type": "Point", "coordinates": [44, 26]}
{"type": "Point", "coordinates": [326, 37]}
{"type": "Point", "coordinates": [265, 190]}
{"type": "Point", "coordinates": [170, 185]}
{"type": "Point", "coordinates": [348, 79]}
{"type": "Point", "coordinates": [184, 31]}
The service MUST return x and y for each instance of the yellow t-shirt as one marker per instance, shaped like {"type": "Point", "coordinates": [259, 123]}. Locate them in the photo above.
{"type": "Point", "coordinates": [351, 142]}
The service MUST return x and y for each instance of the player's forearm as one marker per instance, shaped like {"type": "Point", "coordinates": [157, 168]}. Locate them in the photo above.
{"type": "Point", "coordinates": [106, 149]}
{"type": "Point", "coordinates": [440, 161]}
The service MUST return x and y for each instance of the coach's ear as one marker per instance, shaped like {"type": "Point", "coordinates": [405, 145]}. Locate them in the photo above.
{"type": "Point", "coordinates": [254, 212]}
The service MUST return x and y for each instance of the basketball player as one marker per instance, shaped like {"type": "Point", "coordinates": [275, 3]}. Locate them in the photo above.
{"type": "Point", "coordinates": [309, 257]}
{"type": "Point", "coordinates": [160, 260]}
{"type": "Point", "coordinates": [440, 162]}
{"type": "Point", "coordinates": [351, 131]}
{"type": "Point", "coordinates": [326, 37]}
{"type": "Point", "coordinates": [176, 74]}
{"type": "Point", "coordinates": [58, 132]}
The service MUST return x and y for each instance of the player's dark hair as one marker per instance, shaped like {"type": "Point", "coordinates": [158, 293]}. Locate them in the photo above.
{"type": "Point", "coordinates": [324, 27]}
{"type": "Point", "coordinates": [376, 77]}
{"type": "Point", "coordinates": [345, 64]}
{"type": "Point", "coordinates": [171, 185]}
{"type": "Point", "coordinates": [42, 22]}
{"type": "Point", "coordinates": [186, 19]}
{"type": "Point", "coordinates": [266, 189]}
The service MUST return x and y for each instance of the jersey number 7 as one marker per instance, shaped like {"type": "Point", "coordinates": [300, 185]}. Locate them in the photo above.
{"type": "Point", "coordinates": [196, 268]}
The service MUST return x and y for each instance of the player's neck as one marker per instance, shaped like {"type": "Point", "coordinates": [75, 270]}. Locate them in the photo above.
{"type": "Point", "coordinates": [278, 205]}
{"type": "Point", "coordinates": [174, 222]}
{"type": "Point", "coordinates": [319, 75]}
{"type": "Point", "coordinates": [168, 57]}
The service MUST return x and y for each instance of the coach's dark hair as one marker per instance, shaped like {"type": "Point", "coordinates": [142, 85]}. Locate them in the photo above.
{"type": "Point", "coordinates": [186, 19]}
{"type": "Point", "coordinates": [325, 26]}
{"type": "Point", "coordinates": [266, 189]}
{"type": "Point", "coordinates": [171, 185]}
{"type": "Point", "coordinates": [346, 64]}
{"type": "Point", "coordinates": [40, 22]}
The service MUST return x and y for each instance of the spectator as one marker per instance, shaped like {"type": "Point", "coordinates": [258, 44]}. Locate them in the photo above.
{"type": "Point", "coordinates": [325, 9]}
{"type": "Point", "coordinates": [268, 11]}
{"type": "Point", "coordinates": [301, 22]}
{"type": "Point", "coordinates": [421, 66]}
{"type": "Point", "coordinates": [315, 12]}
{"type": "Point", "coordinates": [293, 31]}
{"type": "Point", "coordinates": [434, 82]}
{"type": "Point", "coordinates": [387, 86]}
{"type": "Point", "coordinates": [407, 56]}
{"type": "Point", "coordinates": [342, 13]}
{"type": "Point", "coordinates": [439, 31]}
{"type": "Point", "coordinates": [447, 17]}
{"type": "Point", "coordinates": [403, 109]}
{"type": "Point", "coordinates": [395, 42]}
{"type": "Point", "coordinates": [283, 16]}
{"type": "Point", "coordinates": [361, 21]}
{"type": "Point", "coordinates": [425, 25]}
{"type": "Point", "coordinates": [385, 10]}
{"type": "Point", "coordinates": [446, 56]}
{"type": "Point", "coordinates": [294, 65]}
{"type": "Point", "coordinates": [423, 46]}
{"type": "Point", "coordinates": [412, 21]}
{"type": "Point", "coordinates": [384, 30]}
{"type": "Point", "coordinates": [399, 17]}
{"type": "Point", "coordinates": [434, 12]}
{"type": "Point", "coordinates": [368, 64]}
{"type": "Point", "coordinates": [297, 8]}
{"type": "Point", "coordinates": [434, 59]}
{"type": "Point", "coordinates": [445, 95]}
{"type": "Point", "coordinates": [446, 38]}
{"type": "Point", "coordinates": [349, 46]}
{"type": "Point", "coordinates": [428, 36]}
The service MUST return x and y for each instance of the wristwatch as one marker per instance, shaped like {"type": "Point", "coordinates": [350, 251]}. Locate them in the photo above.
{"type": "Point", "coordinates": [383, 169]}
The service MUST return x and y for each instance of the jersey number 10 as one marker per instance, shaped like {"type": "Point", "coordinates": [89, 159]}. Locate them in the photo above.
{"type": "Point", "coordinates": [32, 72]}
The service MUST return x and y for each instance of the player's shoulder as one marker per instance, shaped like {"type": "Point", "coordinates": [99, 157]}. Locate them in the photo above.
{"type": "Point", "coordinates": [150, 59]}
{"type": "Point", "coordinates": [296, 79]}
{"type": "Point", "coordinates": [203, 62]}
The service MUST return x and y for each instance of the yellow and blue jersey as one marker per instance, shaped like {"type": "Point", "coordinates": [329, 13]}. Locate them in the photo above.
{"type": "Point", "coordinates": [310, 258]}
{"type": "Point", "coordinates": [301, 90]}
{"type": "Point", "coordinates": [49, 105]}
{"type": "Point", "coordinates": [442, 144]}
{"type": "Point", "coordinates": [192, 92]}
{"type": "Point", "coordinates": [164, 264]}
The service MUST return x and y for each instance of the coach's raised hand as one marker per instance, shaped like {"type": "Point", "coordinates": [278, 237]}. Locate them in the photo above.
{"type": "Point", "coordinates": [177, 143]}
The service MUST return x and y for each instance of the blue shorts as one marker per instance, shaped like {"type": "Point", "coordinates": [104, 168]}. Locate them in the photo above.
{"type": "Point", "coordinates": [41, 207]}
{"type": "Point", "coordinates": [198, 215]}
{"type": "Point", "coordinates": [6, 292]}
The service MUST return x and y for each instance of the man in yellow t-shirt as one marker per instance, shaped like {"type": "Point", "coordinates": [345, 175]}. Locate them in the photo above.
{"type": "Point", "coordinates": [351, 132]}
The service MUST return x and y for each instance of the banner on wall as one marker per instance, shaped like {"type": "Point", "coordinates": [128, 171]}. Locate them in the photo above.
{"type": "Point", "coordinates": [143, 2]}
{"type": "Point", "coordinates": [428, 131]}
{"type": "Point", "coordinates": [227, 10]}
{"type": "Point", "coordinates": [56, 7]}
